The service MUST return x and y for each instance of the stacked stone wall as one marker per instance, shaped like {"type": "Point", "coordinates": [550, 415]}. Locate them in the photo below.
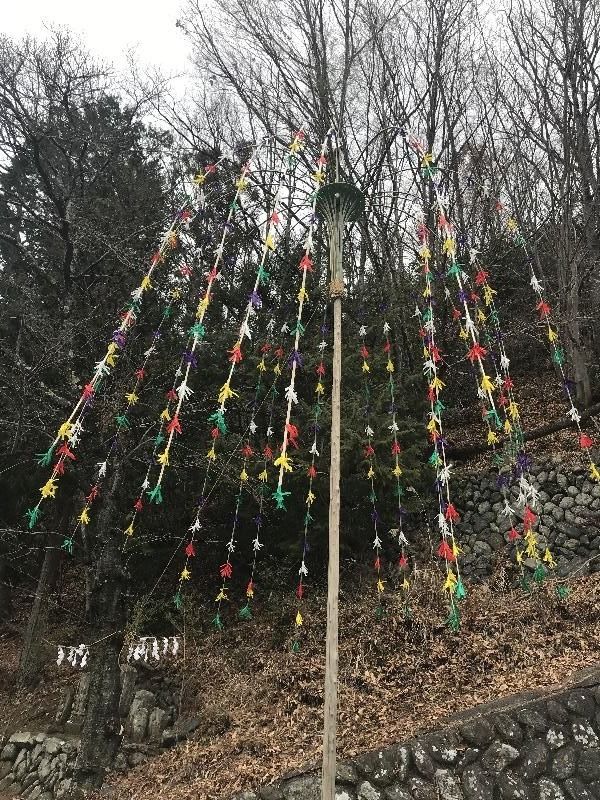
{"type": "Point", "coordinates": [569, 519]}
{"type": "Point", "coordinates": [538, 746]}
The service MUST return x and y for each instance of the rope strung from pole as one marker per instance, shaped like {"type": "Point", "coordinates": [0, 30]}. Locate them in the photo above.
{"type": "Point", "coordinates": [70, 431]}
{"type": "Point", "coordinates": [398, 531]}
{"type": "Point", "coordinates": [267, 457]}
{"type": "Point", "coordinates": [306, 265]}
{"type": "Point", "coordinates": [320, 371]}
{"type": "Point", "coordinates": [448, 516]}
{"type": "Point", "coordinates": [369, 456]}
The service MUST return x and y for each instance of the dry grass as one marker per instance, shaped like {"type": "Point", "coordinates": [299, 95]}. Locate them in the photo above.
{"type": "Point", "coordinates": [260, 705]}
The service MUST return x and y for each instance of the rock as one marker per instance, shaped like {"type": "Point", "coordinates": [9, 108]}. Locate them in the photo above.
{"type": "Point", "coordinates": [14, 789]}
{"type": "Point", "coordinates": [5, 768]}
{"type": "Point", "coordinates": [346, 773]}
{"type": "Point", "coordinates": [564, 762]}
{"type": "Point", "coordinates": [575, 790]}
{"type": "Point", "coordinates": [21, 765]}
{"type": "Point", "coordinates": [581, 702]}
{"type": "Point", "coordinates": [137, 758]}
{"type": "Point", "coordinates": [5, 782]}
{"type": "Point", "coordinates": [556, 712]}
{"type": "Point", "coordinates": [9, 752]}
{"type": "Point", "coordinates": [448, 785]}
{"type": "Point", "coordinates": [584, 734]}
{"type": "Point", "coordinates": [511, 787]}
{"type": "Point", "coordinates": [532, 718]}
{"type": "Point", "coordinates": [63, 789]}
{"type": "Point", "coordinates": [271, 792]}
{"type": "Point", "coordinates": [549, 790]}
{"type": "Point", "coordinates": [157, 722]}
{"type": "Point", "coordinates": [477, 784]}
{"type": "Point", "coordinates": [445, 747]}
{"type": "Point", "coordinates": [534, 760]}
{"type": "Point", "coordinates": [469, 756]}
{"type": "Point", "coordinates": [34, 794]}
{"type": "Point", "coordinates": [45, 768]}
{"type": "Point", "coordinates": [482, 548]}
{"type": "Point", "coordinates": [396, 792]}
{"type": "Point", "coordinates": [120, 763]}
{"type": "Point", "coordinates": [477, 732]}
{"type": "Point", "coordinates": [383, 766]}
{"type": "Point", "coordinates": [556, 738]}
{"type": "Point", "coordinates": [307, 787]}
{"type": "Point", "coordinates": [80, 701]}
{"type": "Point", "coordinates": [366, 791]}
{"type": "Point", "coordinates": [344, 793]}
{"type": "Point", "coordinates": [498, 756]}
{"type": "Point", "coordinates": [30, 779]}
{"type": "Point", "coordinates": [22, 739]}
{"type": "Point", "coordinates": [66, 704]}
{"type": "Point", "coordinates": [421, 790]}
{"type": "Point", "coordinates": [589, 765]}
{"type": "Point", "coordinates": [128, 679]}
{"type": "Point", "coordinates": [138, 724]}
{"type": "Point", "coordinates": [180, 731]}
{"type": "Point", "coordinates": [53, 746]}
{"type": "Point", "coordinates": [422, 760]}
{"type": "Point", "coordinates": [508, 730]}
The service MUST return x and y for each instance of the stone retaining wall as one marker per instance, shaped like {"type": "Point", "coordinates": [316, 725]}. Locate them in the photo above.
{"type": "Point", "coordinates": [568, 503]}
{"type": "Point", "coordinates": [539, 746]}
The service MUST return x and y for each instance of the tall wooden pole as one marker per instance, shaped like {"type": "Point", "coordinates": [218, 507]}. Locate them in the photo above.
{"type": "Point", "coordinates": [333, 570]}
{"type": "Point", "coordinates": [339, 203]}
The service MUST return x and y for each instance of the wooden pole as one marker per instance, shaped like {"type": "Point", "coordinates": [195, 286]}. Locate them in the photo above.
{"type": "Point", "coordinates": [339, 203]}
{"type": "Point", "coordinates": [333, 571]}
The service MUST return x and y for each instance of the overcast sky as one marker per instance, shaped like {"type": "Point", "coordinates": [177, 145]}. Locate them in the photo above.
{"type": "Point", "coordinates": [108, 27]}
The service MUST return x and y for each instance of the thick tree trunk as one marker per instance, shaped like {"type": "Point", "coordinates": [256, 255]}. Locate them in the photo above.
{"type": "Point", "coordinates": [101, 730]}
{"type": "Point", "coordinates": [31, 661]}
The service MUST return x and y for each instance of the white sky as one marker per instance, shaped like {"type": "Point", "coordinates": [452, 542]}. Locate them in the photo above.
{"type": "Point", "coordinates": [108, 27]}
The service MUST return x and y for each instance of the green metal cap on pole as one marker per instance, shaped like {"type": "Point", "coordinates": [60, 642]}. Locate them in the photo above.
{"type": "Point", "coordinates": [339, 203]}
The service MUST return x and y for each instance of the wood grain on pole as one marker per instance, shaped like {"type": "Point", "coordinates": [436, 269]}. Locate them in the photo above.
{"type": "Point", "coordinates": [333, 573]}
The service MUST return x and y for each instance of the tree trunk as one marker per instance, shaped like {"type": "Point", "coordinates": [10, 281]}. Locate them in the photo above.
{"type": "Point", "coordinates": [5, 593]}
{"type": "Point", "coordinates": [101, 730]}
{"type": "Point", "coordinates": [31, 660]}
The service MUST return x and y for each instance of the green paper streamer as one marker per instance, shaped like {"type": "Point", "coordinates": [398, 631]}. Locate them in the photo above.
{"type": "Point", "coordinates": [539, 575]}
{"type": "Point", "coordinates": [155, 494]}
{"type": "Point", "coordinates": [33, 514]}
{"type": "Point", "coordinates": [245, 612]}
{"type": "Point", "coordinates": [67, 545]}
{"type": "Point", "coordinates": [218, 418]}
{"type": "Point", "coordinates": [262, 275]}
{"type": "Point", "coordinates": [562, 591]}
{"type": "Point", "coordinates": [453, 620]}
{"type": "Point", "coordinates": [379, 612]}
{"type": "Point", "coordinates": [44, 459]}
{"type": "Point", "coordinates": [167, 312]}
{"type": "Point", "coordinates": [217, 623]}
{"type": "Point", "coordinates": [525, 585]}
{"type": "Point", "coordinates": [159, 439]}
{"type": "Point", "coordinates": [122, 422]}
{"type": "Point", "coordinates": [279, 496]}
{"type": "Point", "coordinates": [178, 600]}
{"type": "Point", "coordinates": [295, 646]}
{"type": "Point", "coordinates": [197, 330]}
{"type": "Point", "coordinates": [459, 591]}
